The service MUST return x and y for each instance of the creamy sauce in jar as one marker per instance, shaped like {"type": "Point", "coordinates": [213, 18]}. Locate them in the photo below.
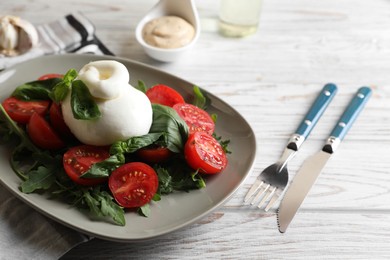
{"type": "Point", "coordinates": [168, 32]}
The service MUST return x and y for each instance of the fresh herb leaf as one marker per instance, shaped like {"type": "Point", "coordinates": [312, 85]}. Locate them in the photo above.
{"type": "Point", "coordinates": [40, 179]}
{"type": "Point", "coordinates": [60, 91]}
{"type": "Point", "coordinates": [214, 117]}
{"type": "Point", "coordinates": [174, 129]}
{"type": "Point", "coordinates": [62, 88]}
{"type": "Point", "coordinates": [104, 168]}
{"type": "Point", "coordinates": [134, 143]}
{"type": "Point", "coordinates": [178, 176]}
{"type": "Point", "coordinates": [83, 104]}
{"type": "Point", "coordinates": [197, 178]}
{"type": "Point", "coordinates": [101, 204]}
{"type": "Point", "coordinates": [223, 143]}
{"type": "Point", "coordinates": [70, 76]}
{"type": "Point", "coordinates": [35, 90]}
{"type": "Point", "coordinates": [144, 210]}
{"type": "Point", "coordinates": [118, 151]}
{"type": "Point", "coordinates": [200, 100]}
{"type": "Point", "coordinates": [141, 86]}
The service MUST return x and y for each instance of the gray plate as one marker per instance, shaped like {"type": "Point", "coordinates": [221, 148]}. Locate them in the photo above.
{"type": "Point", "coordinates": [174, 211]}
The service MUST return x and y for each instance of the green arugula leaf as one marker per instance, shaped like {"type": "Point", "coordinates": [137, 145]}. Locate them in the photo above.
{"type": "Point", "coordinates": [83, 104]}
{"type": "Point", "coordinates": [178, 176]}
{"type": "Point", "coordinates": [223, 143]}
{"type": "Point", "coordinates": [40, 179]}
{"type": "Point", "coordinates": [101, 204]}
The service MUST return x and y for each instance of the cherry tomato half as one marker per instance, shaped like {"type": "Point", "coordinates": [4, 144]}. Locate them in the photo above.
{"type": "Point", "coordinates": [42, 135]}
{"type": "Point", "coordinates": [20, 111]}
{"type": "Point", "coordinates": [58, 123]}
{"type": "Point", "coordinates": [50, 76]}
{"type": "Point", "coordinates": [154, 154]}
{"type": "Point", "coordinates": [196, 118]}
{"type": "Point", "coordinates": [203, 152]}
{"type": "Point", "coordinates": [79, 159]}
{"type": "Point", "coordinates": [164, 95]}
{"type": "Point", "coordinates": [133, 184]}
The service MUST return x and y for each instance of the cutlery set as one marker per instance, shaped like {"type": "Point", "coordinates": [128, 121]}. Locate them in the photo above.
{"type": "Point", "coordinates": [271, 183]}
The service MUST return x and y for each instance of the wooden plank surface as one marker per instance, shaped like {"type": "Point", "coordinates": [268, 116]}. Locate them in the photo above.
{"type": "Point", "coordinates": [271, 78]}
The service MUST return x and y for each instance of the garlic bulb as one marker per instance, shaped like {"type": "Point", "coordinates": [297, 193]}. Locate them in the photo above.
{"type": "Point", "coordinates": [17, 36]}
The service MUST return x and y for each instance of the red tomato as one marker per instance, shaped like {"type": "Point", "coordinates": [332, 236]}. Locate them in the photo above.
{"type": "Point", "coordinates": [203, 152]}
{"type": "Point", "coordinates": [133, 184]}
{"type": "Point", "coordinates": [58, 123]}
{"type": "Point", "coordinates": [79, 159]}
{"type": "Point", "coordinates": [196, 118]}
{"type": "Point", "coordinates": [164, 95]}
{"type": "Point", "coordinates": [42, 135]}
{"type": "Point", "coordinates": [154, 154]}
{"type": "Point", "coordinates": [21, 111]}
{"type": "Point", "coordinates": [50, 76]}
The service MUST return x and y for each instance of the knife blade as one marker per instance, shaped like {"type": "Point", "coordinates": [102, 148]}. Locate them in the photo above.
{"type": "Point", "coordinates": [313, 166]}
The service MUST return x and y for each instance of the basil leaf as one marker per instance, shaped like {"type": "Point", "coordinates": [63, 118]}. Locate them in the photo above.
{"type": "Point", "coordinates": [35, 90]}
{"type": "Point", "coordinates": [134, 143]}
{"type": "Point", "coordinates": [70, 76]}
{"type": "Point", "coordinates": [141, 86]}
{"type": "Point", "coordinates": [167, 122]}
{"type": "Point", "coordinates": [83, 104]}
{"type": "Point", "coordinates": [117, 158]}
{"type": "Point", "coordinates": [104, 168]}
{"type": "Point", "coordinates": [60, 91]}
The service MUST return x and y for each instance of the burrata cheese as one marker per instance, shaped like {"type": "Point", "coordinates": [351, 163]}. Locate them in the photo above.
{"type": "Point", "coordinates": [125, 111]}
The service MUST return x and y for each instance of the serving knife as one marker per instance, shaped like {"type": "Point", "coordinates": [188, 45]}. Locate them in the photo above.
{"type": "Point", "coordinates": [312, 167]}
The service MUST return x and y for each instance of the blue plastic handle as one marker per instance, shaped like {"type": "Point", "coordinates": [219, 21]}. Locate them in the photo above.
{"type": "Point", "coordinates": [316, 110]}
{"type": "Point", "coordinates": [351, 113]}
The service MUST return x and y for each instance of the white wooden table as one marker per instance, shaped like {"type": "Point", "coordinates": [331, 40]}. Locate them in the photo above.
{"type": "Point", "coordinates": [271, 78]}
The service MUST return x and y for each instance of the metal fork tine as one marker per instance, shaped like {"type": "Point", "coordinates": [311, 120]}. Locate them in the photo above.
{"type": "Point", "coordinates": [260, 193]}
{"type": "Point", "coordinates": [268, 195]}
{"type": "Point", "coordinates": [272, 201]}
{"type": "Point", "coordinates": [255, 187]}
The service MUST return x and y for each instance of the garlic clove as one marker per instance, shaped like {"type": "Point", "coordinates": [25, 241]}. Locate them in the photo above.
{"type": "Point", "coordinates": [17, 36]}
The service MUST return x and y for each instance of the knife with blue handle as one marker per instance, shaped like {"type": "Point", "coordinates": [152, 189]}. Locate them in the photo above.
{"type": "Point", "coordinates": [312, 167]}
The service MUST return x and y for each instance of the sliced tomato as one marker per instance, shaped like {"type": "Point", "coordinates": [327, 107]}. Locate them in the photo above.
{"type": "Point", "coordinates": [58, 123]}
{"type": "Point", "coordinates": [196, 118]}
{"type": "Point", "coordinates": [164, 95]}
{"type": "Point", "coordinates": [203, 152]}
{"type": "Point", "coordinates": [154, 154]}
{"type": "Point", "coordinates": [133, 184]}
{"type": "Point", "coordinates": [79, 159]}
{"type": "Point", "coordinates": [20, 111]}
{"type": "Point", "coordinates": [50, 76]}
{"type": "Point", "coordinates": [42, 135]}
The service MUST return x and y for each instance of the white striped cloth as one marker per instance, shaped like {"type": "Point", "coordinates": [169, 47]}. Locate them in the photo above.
{"type": "Point", "coordinates": [25, 233]}
{"type": "Point", "coordinates": [72, 33]}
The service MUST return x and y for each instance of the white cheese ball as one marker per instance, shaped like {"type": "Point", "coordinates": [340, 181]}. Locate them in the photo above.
{"type": "Point", "coordinates": [125, 111]}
